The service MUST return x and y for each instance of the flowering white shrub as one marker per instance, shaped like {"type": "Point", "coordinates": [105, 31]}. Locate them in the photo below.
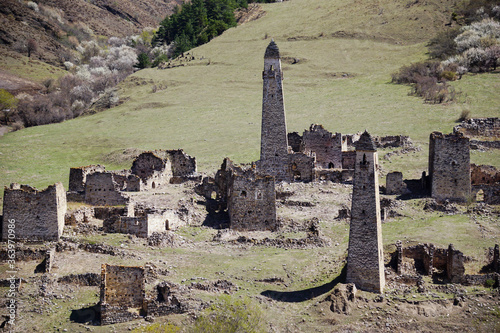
{"type": "Point", "coordinates": [82, 93]}
{"type": "Point", "coordinates": [116, 41]}
{"type": "Point", "coordinates": [83, 73]}
{"type": "Point", "coordinates": [472, 34]}
{"type": "Point", "coordinates": [32, 5]}
{"type": "Point", "coordinates": [69, 65]}
{"type": "Point", "coordinates": [97, 61]}
{"type": "Point", "coordinates": [100, 71]}
{"type": "Point", "coordinates": [122, 58]}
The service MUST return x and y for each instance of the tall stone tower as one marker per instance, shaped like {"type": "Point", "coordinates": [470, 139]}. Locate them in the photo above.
{"type": "Point", "coordinates": [273, 141]}
{"type": "Point", "coordinates": [449, 167]}
{"type": "Point", "coordinates": [365, 260]}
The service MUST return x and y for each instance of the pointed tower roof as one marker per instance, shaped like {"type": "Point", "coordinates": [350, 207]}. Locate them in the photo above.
{"type": "Point", "coordinates": [365, 142]}
{"type": "Point", "coordinates": [272, 50]}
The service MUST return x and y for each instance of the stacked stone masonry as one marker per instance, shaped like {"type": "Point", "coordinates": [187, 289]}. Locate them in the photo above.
{"type": "Point", "coordinates": [103, 189]}
{"type": "Point", "coordinates": [394, 183]}
{"type": "Point", "coordinates": [38, 215]}
{"type": "Point", "coordinates": [479, 127]}
{"type": "Point", "coordinates": [365, 261]}
{"type": "Point", "coordinates": [326, 146]}
{"type": "Point", "coordinates": [122, 293]}
{"type": "Point", "coordinates": [449, 167]}
{"type": "Point", "coordinates": [274, 142]}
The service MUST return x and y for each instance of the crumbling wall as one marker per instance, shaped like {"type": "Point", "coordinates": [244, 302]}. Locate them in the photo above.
{"type": "Point", "coordinates": [295, 141]}
{"type": "Point", "coordinates": [326, 146]}
{"type": "Point", "coordinates": [426, 259]}
{"type": "Point", "coordinates": [251, 202]}
{"type": "Point", "coordinates": [487, 127]}
{"type": "Point", "coordinates": [301, 167]}
{"type": "Point", "coordinates": [484, 175]}
{"type": "Point", "coordinates": [37, 215]}
{"type": "Point", "coordinates": [78, 176]}
{"type": "Point", "coordinates": [348, 159]}
{"type": "Point", "coordinates": [122, 293]}
{"type": "Point", "coordinates": [153, 168]}
{"type": "Point", "coordinates": [182, 164]}
{"type": "Point", "coordinates": [392, 141]}
{"type": "Point", "coordinates": [455, 268]}
{"type": "Point", "coordinates": [394, 183]}
{"type": "Point", "coordinates": [141, 226]}
{"type": "Point", "coordinates": [449, 167]}
{"type": "Point", "coordinates": [102, 190]}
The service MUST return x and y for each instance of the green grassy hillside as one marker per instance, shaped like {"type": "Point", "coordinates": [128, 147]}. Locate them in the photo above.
{"type": "Point", "coordinates": [211, 107]}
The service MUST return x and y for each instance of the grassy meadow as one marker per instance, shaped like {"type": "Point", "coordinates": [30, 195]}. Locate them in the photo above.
{"type": "Point", "coordinates": [211, 107]}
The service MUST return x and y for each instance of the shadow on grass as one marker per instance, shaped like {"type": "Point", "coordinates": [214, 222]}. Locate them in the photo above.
{"type": "Point", "coordinates": [306, 294]}
{"type": "Point", "coordinates": [90, 315]}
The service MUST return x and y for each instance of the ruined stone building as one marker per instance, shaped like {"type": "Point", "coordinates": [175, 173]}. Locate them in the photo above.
{"type": "Point", "coordinates": [449, 167]}
{"type": "Point", "coordinates": [96, 186]}
{"type": "Point", "coordinates": [479, 127]}
{"type": "Point", "coordinates": [103, 189]}
{"type": "Point", "coordinates": [251, 201]}
{"type": "Point", "coordinates": [274, 143]}
{"type": "Point", "coordinates": [122, 293]}
{"type": "Point", "coordinates": [78, 176]}
{"type": "Point", "coordinates": [141, 226]}
{"type": "Point", "coordinates": [38, 215]}
{"type": "Point", "coordinates": [249, 198]}
{"type": "Point", "coordinates": [485, 181]}
{"type": "Point", "coordinates": [153, 168]}
{"type": "Point", "coordinates": [326, 146]}
{"type": "Point", "coordinates": [365, 260]}
{"type": "Point", "coordinates": [394, 183]}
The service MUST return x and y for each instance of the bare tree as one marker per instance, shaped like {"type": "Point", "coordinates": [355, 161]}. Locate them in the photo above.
{"type": "Point", "coordinates": [32, 46]}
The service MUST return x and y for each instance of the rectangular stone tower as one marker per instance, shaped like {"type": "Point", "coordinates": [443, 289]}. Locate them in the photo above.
{"type": "Point", "coordinates": [365, 260]}
{"type": "Point", "coordinates": [274, 141]}
{"type": "Point", "coordinates": [37, 215]}
{"type": "Point", "coordinates": [449, 167]}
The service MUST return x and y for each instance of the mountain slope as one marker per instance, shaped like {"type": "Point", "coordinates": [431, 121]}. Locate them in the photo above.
{"type": "Point", "coordinates": [51, 22]}
{"type": "Point", "coordinates": [338, 57]}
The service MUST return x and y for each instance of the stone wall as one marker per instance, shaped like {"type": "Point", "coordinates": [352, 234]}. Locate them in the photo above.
{"type": "Point", "coordinates": [394, 183]}
{"type": "Point", "coordinates": [301, 167]}
{"type": "Point", "coordinates": [365, 260]}
{"type": "Point", "coordinates": [153, 168]}
{"type": "Point", "coordinates": [141, 226]}
{"type": "Point", "coordinates": [38, 215]}
{"type": "Point", "coordinates": [102, 190]}
{"type": "Point", "coordinates": [78, 176]}
{"type": "Point", "coordinates": [122, 293]}
{"type": "Point", "coordinates": [326, 146]}
{"type": "Point", "coordinates": [449, 167]}
{"type": "Point", "coordinates": [182, 164]}
{"type": "Point", "coordinates": [348, 159]}
{"type": "Point", "coordinates": [426, 259]}
{"type": "Point", "coordinates": [392, 141]}
{"type": "Point", "coordinates": [487, 127]}
{"type": "Point", "coordinates": [294, 141]}
{"type": "Point", "coordinates": [251, 202]}
{"type": "Point", "coordinates": [484, 175]}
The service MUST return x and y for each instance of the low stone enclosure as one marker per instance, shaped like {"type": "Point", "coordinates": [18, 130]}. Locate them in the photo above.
{"type": "Point", "coordinates": [446, 264]}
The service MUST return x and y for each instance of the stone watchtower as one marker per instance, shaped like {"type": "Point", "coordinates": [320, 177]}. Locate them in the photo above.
{"type": "Point", "coordinates": [274, 141]}
{"type": "Point", "coordinates": [365, 260]}
{"type": "Point", "coordinates": [449, 167]}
